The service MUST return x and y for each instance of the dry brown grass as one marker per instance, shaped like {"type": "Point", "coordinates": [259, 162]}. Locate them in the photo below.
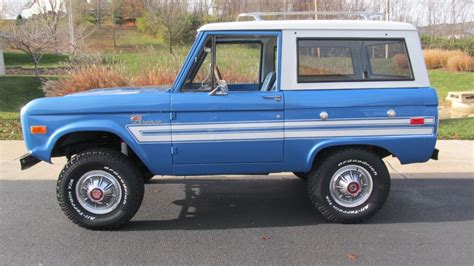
{"type": "Point", "coordinates": [84, 78]}
{"type": "Point", "coordinates": [461, 63]}
{"type": "Point", "coordinates": [438, 58]}
{"type": "Point", "coordinates": [154, 77]}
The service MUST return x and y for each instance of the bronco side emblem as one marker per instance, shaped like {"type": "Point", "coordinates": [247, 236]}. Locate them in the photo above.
{"type": "Point", "coordinates": [136, 118]}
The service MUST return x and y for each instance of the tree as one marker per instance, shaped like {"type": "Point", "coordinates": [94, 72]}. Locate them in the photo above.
{"type": "Point", "coordinates": [171, 15]}
{"type": "Point", "coordinates": [99, 10]}
{"type": "Point", "coordinates": [51, 12]}
{"type": "Point", "coordinates": [31, 37]}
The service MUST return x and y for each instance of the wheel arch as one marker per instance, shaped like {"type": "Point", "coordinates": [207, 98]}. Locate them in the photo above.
{"type": "Point", "coordinates": [319, 151]}
{"type": "Point", "coordinates": [75, 132]}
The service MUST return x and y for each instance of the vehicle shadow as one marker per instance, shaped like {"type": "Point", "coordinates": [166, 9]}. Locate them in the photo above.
{"type": "Point", "coordinates": [283, 202]}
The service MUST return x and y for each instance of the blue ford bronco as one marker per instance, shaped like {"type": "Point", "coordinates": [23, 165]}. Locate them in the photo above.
{"type": "Point", "coordinates": [326, 100]}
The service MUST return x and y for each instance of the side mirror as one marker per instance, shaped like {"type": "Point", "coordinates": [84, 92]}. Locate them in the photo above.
{"type": "Point", "coordinates": [220, 90]}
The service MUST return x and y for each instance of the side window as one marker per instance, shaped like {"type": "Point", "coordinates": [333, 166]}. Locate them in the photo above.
{"type": "Point", "coordinates": [239, 62]}
{"type": "Point", "coordinates": [342, 60]}
{"type": "Point", "coordinates": [320, 60]}
{"type": "Point", "coordinates": [388, 60]}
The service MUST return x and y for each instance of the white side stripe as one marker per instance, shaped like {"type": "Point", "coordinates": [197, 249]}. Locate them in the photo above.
{"type": "Point", "coordinates": [228, 136]}
{"type": "Point", "coordinates": [366, 132]}
{"type": "Point", "coordinates": [137, 132]}
{"type": "Point", "coordinates": [278, 124]}
{"type": "Point", "coordinates": [269, 130]}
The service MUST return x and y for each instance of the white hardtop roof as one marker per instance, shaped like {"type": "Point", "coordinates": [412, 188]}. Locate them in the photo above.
{"type": "Point", "coordinates": [310, 25]}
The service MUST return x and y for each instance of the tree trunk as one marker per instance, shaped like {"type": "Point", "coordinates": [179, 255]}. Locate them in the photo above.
{"type": "Point", "coordinates": [113, 33]}
{"type": "Point", "coordinates": [170, 43]}
{"type": "Point", "coordinates": [36, 68]}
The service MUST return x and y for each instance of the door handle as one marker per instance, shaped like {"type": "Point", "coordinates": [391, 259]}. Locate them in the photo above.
{"type": "Point", "coordinates": [272, 97]}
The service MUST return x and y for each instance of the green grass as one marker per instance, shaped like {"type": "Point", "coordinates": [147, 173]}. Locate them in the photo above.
{"type": "Point", "coordinates": [460, 128]}
{"type": "Point", "coordinates": [445, 82]}
{"type": "Point", "coordinates": [127, 38]}
{"type": "Point", "coordinates": [16, 59]}
{"type": "Point", "coordinates": [15, 91]}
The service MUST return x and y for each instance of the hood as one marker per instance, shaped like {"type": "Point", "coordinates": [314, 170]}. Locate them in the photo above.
{"type": "Point", "coordinates": [122, 90]}
{"type": "Point", "coordinates": [111, 100]}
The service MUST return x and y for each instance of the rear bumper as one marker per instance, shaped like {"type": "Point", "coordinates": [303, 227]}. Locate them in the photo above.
{"type": "Point", "coordinates": [27, 161]}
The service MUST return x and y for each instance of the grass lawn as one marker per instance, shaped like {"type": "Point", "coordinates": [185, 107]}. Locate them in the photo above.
{"type": "Point", "coordinates": [460, 128]}
{"type": "Point", "coordinates": [16, 59]}
{"type": "Point", "coordinates": [444, 82]}
{"type": "Point", "coordinates": [15, 91]}
{"type": "Point", "coordinates": [126, 38]}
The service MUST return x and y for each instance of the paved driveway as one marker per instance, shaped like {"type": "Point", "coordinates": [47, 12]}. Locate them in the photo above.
{"type": "Point", "coordinates": [428, 219]}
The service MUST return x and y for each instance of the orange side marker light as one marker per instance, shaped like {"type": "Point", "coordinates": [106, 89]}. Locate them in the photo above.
{"type": "Point", "coordinates": [38, 130]}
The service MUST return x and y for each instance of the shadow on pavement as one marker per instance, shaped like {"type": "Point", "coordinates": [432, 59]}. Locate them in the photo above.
{"type": "Point", "coordinates": [253, 203]}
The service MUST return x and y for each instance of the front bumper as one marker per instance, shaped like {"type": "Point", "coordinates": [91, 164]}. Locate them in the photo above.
{"type": "Point", "coordinates": [435, 154]}
{"type": "Point", "coordinates": [27, 161]}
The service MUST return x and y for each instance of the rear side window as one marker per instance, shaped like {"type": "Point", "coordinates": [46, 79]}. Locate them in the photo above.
{"type": "Point", "coordinates": [321, 60]}
{"type": "Point", "coordinates": [388, 60]}
{"type": "Point", "coordinates": [333, 60]}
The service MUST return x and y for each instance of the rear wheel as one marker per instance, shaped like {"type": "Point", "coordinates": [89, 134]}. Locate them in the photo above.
{"type": "Point", "coordinates": [100, 189]}
{"type": "Point", "coordinates": [349, 186]}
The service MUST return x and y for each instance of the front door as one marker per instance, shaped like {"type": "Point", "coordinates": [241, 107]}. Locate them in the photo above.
{"type": "Point", "coordinates": [241, 124]}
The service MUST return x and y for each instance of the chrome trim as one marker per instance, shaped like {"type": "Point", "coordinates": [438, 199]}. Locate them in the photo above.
{"type": "Point", "coordinates": [106, 185]}
{"type": "Point", "coordinates": [341, 186]}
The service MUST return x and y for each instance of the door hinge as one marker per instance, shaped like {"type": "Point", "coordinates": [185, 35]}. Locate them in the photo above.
{"type": "Point", "coordinates": [172, 116]}
{"type": "Point", "coordinates": [173, 150]}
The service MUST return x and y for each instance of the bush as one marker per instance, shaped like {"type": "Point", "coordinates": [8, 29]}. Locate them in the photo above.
{"type": "Point", "coordinates": [437, 58]}
{"type": "Point", "coordinates": [465, 44]}
{"type": "Point", "coordinates": [461, 63]}
{"type": "Point", "coordinates": [94, 76]}
{"type": "Point", "coordinates": [84, 78]}
{"type": "Point", "coordinates": [155, 77]}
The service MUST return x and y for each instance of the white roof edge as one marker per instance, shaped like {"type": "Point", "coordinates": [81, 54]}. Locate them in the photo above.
{"type": "Point", "coordinates": [310, 25]}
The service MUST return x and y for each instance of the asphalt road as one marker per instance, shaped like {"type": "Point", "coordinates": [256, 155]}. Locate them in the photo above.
{"type": "Point", "coordinates": [428, 219]}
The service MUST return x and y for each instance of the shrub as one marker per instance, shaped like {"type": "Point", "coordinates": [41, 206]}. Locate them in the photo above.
{"type": "Point", "coordinates": [84, 78]}
{"type": "Point", "coordinates": [432, 58]}
{"type": "Point", "coordinates": [438, 58]}
{"type": "Point", "coordinates": [461, 63]}
{"type": "Point", "coordinates": [155, 77]}
{"type": "Point", "coordinates": [465, 44]}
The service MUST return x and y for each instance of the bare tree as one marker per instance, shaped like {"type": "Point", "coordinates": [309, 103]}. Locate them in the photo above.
{"type": "Point", "coordinates": [31, 37]}
{"type": "Point", "coordinates": [99, 9]}
{"type": "Point", "coordinates": [51, 12]}
{"type": "Point", "coordinates": [15, 8]}
{"type": "Point", "coordinates": [170, 14]}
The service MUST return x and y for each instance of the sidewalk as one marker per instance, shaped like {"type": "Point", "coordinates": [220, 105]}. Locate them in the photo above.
{"type": "Point", "coordinates": [456, 160]}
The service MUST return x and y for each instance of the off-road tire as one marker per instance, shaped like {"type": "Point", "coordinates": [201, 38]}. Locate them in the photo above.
{"type": "Point", "coordinates": [319, 185]}
{"type": "Point", "coordinates": [129, 178]}
{"type": "Point", "coordinates": [301, 175]}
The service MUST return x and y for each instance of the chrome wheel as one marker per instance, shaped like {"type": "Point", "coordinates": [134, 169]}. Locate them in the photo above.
{"type": "Point", "coordinates": [351, 186]}
{"type": "Point", "coordinates": [98, 192]}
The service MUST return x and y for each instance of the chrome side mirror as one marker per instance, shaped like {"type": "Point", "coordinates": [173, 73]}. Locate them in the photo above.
{"type": "Point", "coordinates": [220, 90]}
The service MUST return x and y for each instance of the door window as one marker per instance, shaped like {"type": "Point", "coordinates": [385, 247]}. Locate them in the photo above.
{"type": "Point", "coordinates": [238, 62]}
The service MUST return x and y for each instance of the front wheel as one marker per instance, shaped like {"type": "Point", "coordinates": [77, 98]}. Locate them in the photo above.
{"type": "Point", "coordinates": [349, 186]}
{"type": "Point", "coordinates": [100, 189]}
